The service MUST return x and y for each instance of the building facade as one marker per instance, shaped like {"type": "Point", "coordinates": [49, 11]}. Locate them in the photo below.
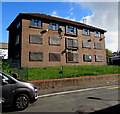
{"type": "Point", "coordinates": [39, 40]}
{"type": "Point", "coordinates": [3, 51]}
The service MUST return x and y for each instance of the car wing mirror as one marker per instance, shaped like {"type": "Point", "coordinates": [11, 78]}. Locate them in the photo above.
{"type": "Point", "coordinates": [4, 82]}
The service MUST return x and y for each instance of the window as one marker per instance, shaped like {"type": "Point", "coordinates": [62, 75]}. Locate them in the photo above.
{"type": "Point", "coordinates": [36, 56]}
{"type": "Point", "coordinates": [36, 23]}
{"type": "Point", "coordinates": [35, 39]}
{"type": "Point", "coordinates": [54, 41]}
{"type": "Point", "coordinates": [87, 58]}
{"type": "Point", "coordinates": [98, 58]}
{"type": "Point", "coordinates": [16, 55]}
{"type": "Point", "coordinates": [86, 32]}
{"type": "Point", "coordinates": [71, 43]}
{"type": "Point", "coordinates": [97, 45]}
{"type": "Point", "coordinates": [71, 29]}
{"type": "Point", "coordinates": [96, 33]}
{"type": "Point", "coordinates": [54, 26]}
{"type": "Point", "coordinates": [18, 25]}
{"type": "Point", "coordinates": [9, 80]}
{"type": "Point", "coordinates": [17, 39]}
{"type": "Point", "coordinates": [54, 56]}
{"type": "Point", "coordinates": [86, 44]}
{"type": "Point", "coordinates": [72, 57]}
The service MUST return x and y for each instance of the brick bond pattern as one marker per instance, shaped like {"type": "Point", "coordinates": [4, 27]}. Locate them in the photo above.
{"type": "Point", "coordinates": [77, 81]}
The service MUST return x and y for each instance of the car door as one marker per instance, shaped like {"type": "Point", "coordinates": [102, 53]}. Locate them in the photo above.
{"type": "Point", "coordinates": [6, 89]}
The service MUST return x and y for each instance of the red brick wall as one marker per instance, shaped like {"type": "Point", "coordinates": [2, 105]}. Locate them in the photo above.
{"type": "Point", "coordinates": [78, 81]}
{"type": "Point", "coordinates": [46, 48]}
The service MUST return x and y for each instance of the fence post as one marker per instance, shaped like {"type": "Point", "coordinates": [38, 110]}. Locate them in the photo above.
{"type": "Point", "coordinates": [62, 71]}
{"type": "Point", "coordinates": [78, 69]}
{"type": "Point", "coordinates": [27, 73]}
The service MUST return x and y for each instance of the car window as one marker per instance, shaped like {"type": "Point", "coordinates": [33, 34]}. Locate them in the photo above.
{"type": "Point", "coordinates": [9, 80]}
{"type": "Point", "coordinates": [6, 78]}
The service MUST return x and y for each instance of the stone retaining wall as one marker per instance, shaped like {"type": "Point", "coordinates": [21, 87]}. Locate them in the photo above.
{"type": "Point", "coordinates": [77, 81]}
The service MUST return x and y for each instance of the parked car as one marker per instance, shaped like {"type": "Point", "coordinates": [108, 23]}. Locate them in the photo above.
{"type": "Point", "coordinates": [16, 93]}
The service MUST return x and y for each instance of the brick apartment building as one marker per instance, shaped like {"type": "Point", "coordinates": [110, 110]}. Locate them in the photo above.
{"type": "Point", "coordinates": [39, 40]}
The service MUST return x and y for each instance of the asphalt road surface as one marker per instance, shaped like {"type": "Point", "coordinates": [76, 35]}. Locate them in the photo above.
{"type": "Point", "coordinates": [89, 100]}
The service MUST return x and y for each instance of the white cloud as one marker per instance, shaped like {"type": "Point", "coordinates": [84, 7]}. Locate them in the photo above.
{"type": "Point", "coordinates": [54, 13]}
{"type": "Point", "coordinates": [105, 15]}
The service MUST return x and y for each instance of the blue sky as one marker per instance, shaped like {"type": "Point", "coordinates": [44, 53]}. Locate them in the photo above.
{"type": "Point", "coordinates": [96, 13]}
{"type": "Point", "coordinates": [69, 10]}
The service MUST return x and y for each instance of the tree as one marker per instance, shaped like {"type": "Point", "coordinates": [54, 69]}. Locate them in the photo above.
{"type": "Point", "coordinates": [109, 53]}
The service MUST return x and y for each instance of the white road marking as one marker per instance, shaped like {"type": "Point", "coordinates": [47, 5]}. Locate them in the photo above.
{"type": "Point", "coordinates": [74, 91]}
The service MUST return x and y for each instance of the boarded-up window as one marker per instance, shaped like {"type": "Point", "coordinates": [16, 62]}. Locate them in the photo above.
{"type": "Point", "coordinates": [87, 58]}
{"type": "Point", "coordinates": [97, 45]}
{"type": "Point", "coordinates": [72, 57]}
{"type": "Point", "coordinates": [75, 43]}
{"type": "Point", "coordinates": [86, 44]}
{"type": "Point", "coordinates": [36, 56]}
{"type": "Point", "coordinates": [98, 58]}
{"type": "Point", "coordinates": [54, 41]}
{"type": "Point", "coordinates": [54, 57]}
{"type": "Point", "coordinates": [35, 39]}
{"type": "Point", "coordinates": [71, 43]}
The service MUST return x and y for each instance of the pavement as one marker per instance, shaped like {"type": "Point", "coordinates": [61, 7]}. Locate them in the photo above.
{"type": "Point", "coordinates": [72, 88]}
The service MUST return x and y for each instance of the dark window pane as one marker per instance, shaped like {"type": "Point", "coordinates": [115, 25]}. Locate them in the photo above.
{"type": "Point", "coordinates": [87, 58]}
{"type": "Point", "coordinates": [71, 43]}
{"type": "Point", "coordinates": [54, 56]}
{"type": "Point", "coordinates": [35, 39]}
{"type": "Point", "coordinates": [36, 56]}
{"type": "Point", "coordinates": [99, 58]}
{"type": "Point", "coordinates": [72, 57]}
{"type": "Point", "coordinates": [17, 39]}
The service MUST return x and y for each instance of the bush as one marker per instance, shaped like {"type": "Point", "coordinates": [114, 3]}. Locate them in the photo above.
{"type": "Point", "coordinates": [5, 67]}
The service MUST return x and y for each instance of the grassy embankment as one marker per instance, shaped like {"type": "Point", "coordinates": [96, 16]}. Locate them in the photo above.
{"type": "Point", "coordinates": [70, 71]}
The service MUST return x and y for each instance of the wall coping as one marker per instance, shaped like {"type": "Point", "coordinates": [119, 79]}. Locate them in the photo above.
{"type": "Point", "coordinates": [63, 79]}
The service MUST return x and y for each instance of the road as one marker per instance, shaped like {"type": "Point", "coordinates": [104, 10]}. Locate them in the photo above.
{"type": "Point", "coordinates": [84, 100]}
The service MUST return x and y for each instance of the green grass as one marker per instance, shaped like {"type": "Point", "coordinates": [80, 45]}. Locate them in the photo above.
{"type": "Point", "coordinates": [70, 71]}
{"type": "Point", "coordinates": [57, 72]}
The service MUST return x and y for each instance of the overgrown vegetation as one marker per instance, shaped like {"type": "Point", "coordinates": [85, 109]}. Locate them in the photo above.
{"type": "Point", "coordinates": [57, 72]}
{"type": "Point", "coordinates": [70, 71]}
{"type": "Point", "coordinates": [4, 66]}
